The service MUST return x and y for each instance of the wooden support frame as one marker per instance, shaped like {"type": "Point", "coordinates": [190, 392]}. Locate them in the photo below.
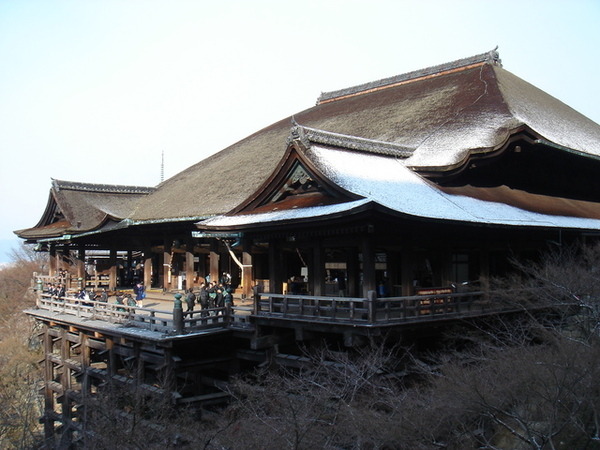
{"type": "Point", "coordinates": [189, 263]}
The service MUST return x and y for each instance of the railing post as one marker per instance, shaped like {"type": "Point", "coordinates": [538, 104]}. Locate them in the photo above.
{"type": "Point", "coordinates": [228, 311]}
{"type": "Point", "coordinates": [39, 285]}
{"type": "Point", "coordinates": [256, 295]}
{"type": "Point", "coordinates": [371, 304]}
{"type": "Point", "coordinates": [178, 314]}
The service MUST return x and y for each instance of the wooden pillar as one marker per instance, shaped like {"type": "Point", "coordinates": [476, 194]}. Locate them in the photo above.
{"type": "Point", "coordinates": [446, 266]}
{"type": "Point", "coordinates": [138, 362]}
{"type": "Point", "coordinates": [148, 266]}
{"type": "Point", "coordinates": [167, 263]}
{"type": "Point", "coordinates": [48, 393]}
{"type": "Point", "coordinates": [81, 263]}
{"type": "Point", "coordinates": [407, 272]}
{"type": "Point", "coordinates": [317, 274]}
{"type": "Point", "coordinates": [59, 258]}
{"type": "Point", "coordinates": [189, 263]}
{"type": "Point", "coordinates": [112, 274]}
{"type": "Point", "coordinates": [247, 280]}
{"type": "Point", "coordinates": [111, 366]}
{"type": "Point", "coordinates": [368, 260]}
{"type": "Point", "coordinates": [484, 268]}
{"type": "Point", "coordinates": [214, 260]}
{"type": "Point", "coordinates": [85, 362]}
{"type": "Point", "coordinates": [66, 265]}
{"type": "Point", "coordinates": [353, 272]}
{"type": "Point", "coordinates": [394, 272]}
{"type": "Point", "coordinates": [52, 260]}
{"type": "Point", "coordinates": [65, 381]}
{"type": "Point", "coordinates": [168, 371]}
{"type": "Point", "coordinates": [65, 262]}
{"type": "Point", "coordinates": [202, 270]}
{"type": "Point", "coordinates": [276, 276]}
{"type": "Point", "coordinates": [128, 278]}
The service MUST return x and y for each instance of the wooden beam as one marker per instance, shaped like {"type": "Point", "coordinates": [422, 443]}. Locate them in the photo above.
{"type": "Point", "coordinates": [261, 342]}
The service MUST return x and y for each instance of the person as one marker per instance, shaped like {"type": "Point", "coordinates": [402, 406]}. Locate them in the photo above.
{"type": "Point", "coordinates": [212, 294]}
{"type": "Point", "coordinates": [225, 280]}
{"type": "Point", "coordinates": [382, 290]}
{"type": "Point", "coordinates": [296, 285]}
{"type": "Point", "coordinates": [190, 299]}
{"type": "Point", "coordinates": [227, 297]}
{"type": "Point", "coordinates": [119, 301]}
{"type": "Point", "coordinates": [219, 298]}
{"type": "Point", "coordinates": [341, 285]}
{"type": "Point", "coordinates": [101, 296]}
{"type": "Point", "coordinates": [203, 298]}
{"type": "Point", "coordinates": [60, 292]}
{"type": "Point", "coordinates": [84, 297]}
{"type": "Point", "coordinates": [140, 294]}
{"type": "Point", "coordinates": [130, 301]}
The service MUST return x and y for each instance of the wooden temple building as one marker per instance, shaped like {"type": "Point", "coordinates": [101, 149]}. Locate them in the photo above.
{"type": "Point", "coordinates": [421, 184]}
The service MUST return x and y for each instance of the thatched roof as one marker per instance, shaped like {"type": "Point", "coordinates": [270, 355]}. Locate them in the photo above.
{"type": "Point", "coordinates": [74, 208]}
{"type": "Point", "coordinates": [434, 119]}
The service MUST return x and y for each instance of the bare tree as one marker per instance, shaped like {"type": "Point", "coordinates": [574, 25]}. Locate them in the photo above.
{"type": "Point", "coordinates": [20, 375]}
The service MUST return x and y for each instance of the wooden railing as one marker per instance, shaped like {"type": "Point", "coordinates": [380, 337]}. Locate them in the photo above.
{"type": "Point", "coordinates": [372, 310]}
{"type": "Point", "coordinates": [163, 321]}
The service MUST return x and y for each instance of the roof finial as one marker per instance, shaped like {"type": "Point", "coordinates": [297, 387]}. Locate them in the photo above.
{"type": "Point", "coordinates": [494, 56]}
{"type": "Point", "coordinates": [296, 132]}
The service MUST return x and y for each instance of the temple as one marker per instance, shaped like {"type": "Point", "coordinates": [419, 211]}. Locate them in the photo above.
{"type": "Point", "coordinates": [421, 184]}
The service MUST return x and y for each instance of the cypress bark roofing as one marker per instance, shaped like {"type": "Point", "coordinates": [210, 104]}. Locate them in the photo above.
{"type": "Point", "coordinates": [430, 121]}
{"type": "Point", "coordinates": [80, 207]}
{"type": "Point", "coordinates": [434, 120]}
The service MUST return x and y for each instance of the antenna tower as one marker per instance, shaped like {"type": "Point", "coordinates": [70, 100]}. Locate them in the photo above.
{"type": "Point", "coordinates": [162, 167]}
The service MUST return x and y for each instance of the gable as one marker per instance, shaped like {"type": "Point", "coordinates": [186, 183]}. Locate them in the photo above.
{"type": "Point", "coordinates": [296, 183]}
{"type": "Point", "coordinates": [52, 213]}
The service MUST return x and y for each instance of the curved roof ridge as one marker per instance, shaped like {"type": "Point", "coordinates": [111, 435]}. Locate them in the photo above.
{"type": "Point", "coordinates": [491, 57]}
{"type": "Point", "coordinates": [314, 135]}
{"type": "Point", "coordinates": [102, 188]}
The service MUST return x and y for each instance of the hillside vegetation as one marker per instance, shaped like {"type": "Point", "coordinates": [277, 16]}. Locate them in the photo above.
{"type": "Point", "coordinates": [20, 374]}
{"type": "Point", "coordinates": [526, 381]}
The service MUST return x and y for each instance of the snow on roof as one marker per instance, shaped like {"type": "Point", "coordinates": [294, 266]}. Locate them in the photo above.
{"type": "Point", "coordinates": [387, 182]}
{"type": "Point", "coordinates": [283, 215]}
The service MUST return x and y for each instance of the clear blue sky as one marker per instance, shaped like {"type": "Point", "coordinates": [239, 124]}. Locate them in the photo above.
{"type": "Point", "coordinates": [95, 91]}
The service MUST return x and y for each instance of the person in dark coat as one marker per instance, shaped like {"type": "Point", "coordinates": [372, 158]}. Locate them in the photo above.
{"type": "Point", "coordinates": [129, 301]}
{"type": "Point", "coordinates": [203, 298]}
{"type": "Point", "coordinates": [190, 299]}
{"type": "Point", "coordinates": [140, 294]}
{"type": "Point", "coordinates": [60, 292]}
{"type": "Point", "coordinates": [212, 294]}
